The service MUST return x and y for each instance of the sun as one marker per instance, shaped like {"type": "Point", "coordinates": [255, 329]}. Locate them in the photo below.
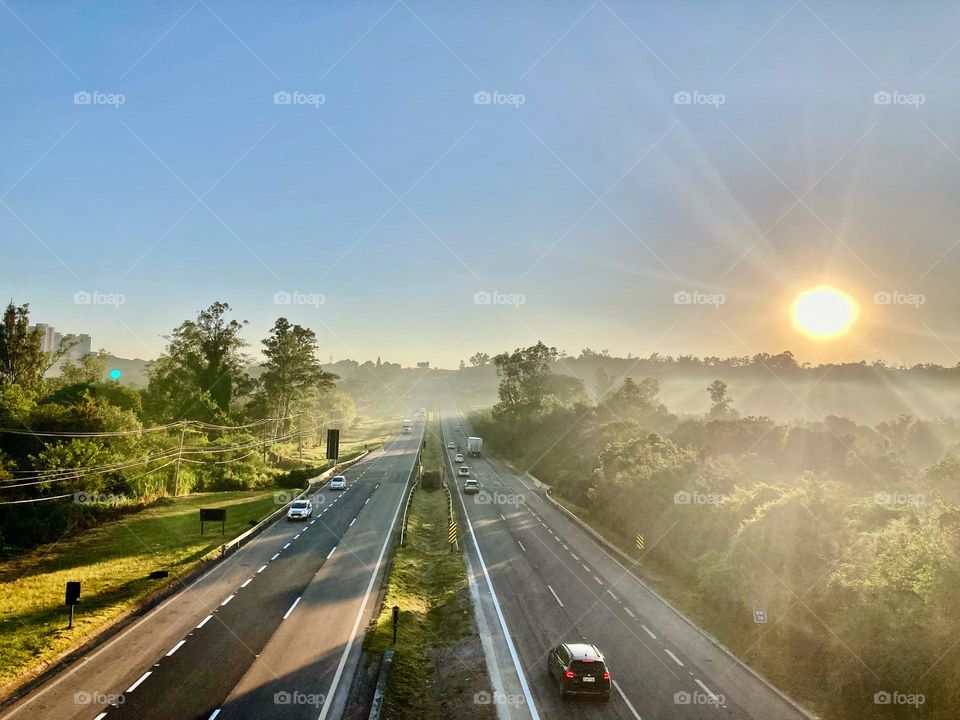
{"type": "Point", "coordinates": [824, 312]}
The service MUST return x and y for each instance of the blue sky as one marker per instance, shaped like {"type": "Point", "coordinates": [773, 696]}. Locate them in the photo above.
{"type": "Point", "coordinates": [399, 197]}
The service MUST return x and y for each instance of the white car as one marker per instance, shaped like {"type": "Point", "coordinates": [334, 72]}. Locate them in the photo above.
{"type": "Point", "coordinates": [471, 487]}
{"type": "Point", "coordinates": [300, 509]}
{"type": "Point", "coordinates": [451, 446]}
{"type": "Point", "coordinates": [338, 482]}
{"type": "Point", "coordinates": [458, 457]}
{"type": "Point", "coordinates": [464, 471]}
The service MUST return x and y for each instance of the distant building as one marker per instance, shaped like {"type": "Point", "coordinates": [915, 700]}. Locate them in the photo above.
{"type": "Point", "coordinates": [52, 341]}
{"type": "Point", "coordinates": [423, 365]}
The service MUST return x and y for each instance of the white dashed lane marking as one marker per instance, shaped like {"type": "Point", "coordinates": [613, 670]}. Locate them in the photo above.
{"type": "Point", "coordinates": [204, 621]}
{"type": "Point", "coordinates": [674, 657]}
{"type": "Point", "coordinates": [647, 630]}
{"type": "Point", "coordinates": [175, 648]}
{"type": "Point", "coordinates": [137, 683]}
{"type": "Point", "coordinates": [229, 598]}
{"type": "Point", "coordinates": [555, 596]}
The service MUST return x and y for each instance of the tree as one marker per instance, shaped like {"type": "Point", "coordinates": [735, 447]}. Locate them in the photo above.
{"type": "Point", "coordinates": [22, 361]}
{"type": "Point", "coordinates": [462, 365]}
{"type": "Point", "coordinates": [479, 359]}
{"type": "Point", "coordinates": [603, 382]}
{"type": "Point", "coordinates": [292, 369]}
{"type": "Point", "coordinates": [722, 405]}
{"type": "Point", "coordinates": [202, 369]}
{"type": "Point", "coordinates": [523, 376]}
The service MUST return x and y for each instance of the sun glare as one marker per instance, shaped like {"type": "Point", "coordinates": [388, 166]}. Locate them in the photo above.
{"type": "Point", "coordinates": [824, 312]}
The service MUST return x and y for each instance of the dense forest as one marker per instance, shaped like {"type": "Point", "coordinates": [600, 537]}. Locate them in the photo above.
{"type": "Point", "coordinates": [847, 535]}
{"type": "Point", "coordinates": [75, 447]}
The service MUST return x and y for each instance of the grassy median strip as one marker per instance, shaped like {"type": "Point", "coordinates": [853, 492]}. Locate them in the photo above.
{"type": "Point", "coordinates": [438, 671]}
{"type": "Point", "coordinates": [112, 562]}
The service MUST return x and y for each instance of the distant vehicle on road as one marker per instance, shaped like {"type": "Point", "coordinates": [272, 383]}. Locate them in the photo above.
{"type": "Point", "coordinates": [471, 487]}
{"type": "Point", "coordinates": [300, 510]}
{"type": "Point", "coordinates": [450, 446]}
{"type": "Point", "coordinates": [338, 482]}
{"type": "Point", "coordinates": [474, 446]}
{"type": "Point", "coordinates": [464, 471]}
{"type": "Point", "coordinates": [579, 670]}
{"type": "Point", "coordinates": [458, 458]}
{"type": "Point", "coordinates": [407, 425]}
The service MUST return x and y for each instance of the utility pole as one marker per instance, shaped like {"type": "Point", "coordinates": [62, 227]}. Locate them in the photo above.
{"type": "Point", "coordinates": [176, 476]}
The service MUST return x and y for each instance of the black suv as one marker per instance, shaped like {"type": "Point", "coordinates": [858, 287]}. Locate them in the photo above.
{"type": "Point", "coordinates": [579, 670]}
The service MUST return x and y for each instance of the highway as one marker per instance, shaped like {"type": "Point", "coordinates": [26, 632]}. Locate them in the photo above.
{"type": "Point", "coordinates": [271, 632]}
{"type": "Point", "coordinates": [552, 583]}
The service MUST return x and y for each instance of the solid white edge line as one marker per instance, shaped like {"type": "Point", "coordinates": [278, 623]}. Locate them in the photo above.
{"type": "Point", "coordinates": [648, 631]}
{"type": "Point", "coordinates": [331, 552]}
{"type": "Point", "coordinates": [228, 599]}
{"type": "Point", "coordinates": [246, 582]}
{"type": "Point", "coordinates": [707, 690]}
{"type": "Point", "coordinates": [623, 695]}
{"type": "Point", "coordinates": [175, 648]}
{"type": "Point", "coordinates": [203, 622]}
{"type": "Point", "coordinates": [295, 603]}
{"type": "Point", "coordinates": [555, 596]}
{"type": "Point", "coordinates": [677, 660]}
{"type": "Point", "coordinates": [137, 683]}
{"type": "Point", "coordinates": [527, 696]}
{"type": "Point", "coordinates": [328, 700]}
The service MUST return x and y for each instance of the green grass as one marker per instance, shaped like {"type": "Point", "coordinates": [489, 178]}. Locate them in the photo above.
{"type": "Point", "coordinates": [362, 434]}
{"type": "Point", "coordinates": [112, 561]}
{"type": "Point", "coordinates": [428, 582]}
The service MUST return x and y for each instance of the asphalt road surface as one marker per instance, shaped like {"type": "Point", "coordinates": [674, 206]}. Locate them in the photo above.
{"type": "Point", "coordinates": [271, 632]}
{"type": "Point", "coordinates": [552, 583]}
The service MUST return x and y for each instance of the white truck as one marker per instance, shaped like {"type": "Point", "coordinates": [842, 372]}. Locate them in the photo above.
{"type": "Point", "coordinates": [474, 445]}
{"type": "Point", "coordinates": [407, 426]}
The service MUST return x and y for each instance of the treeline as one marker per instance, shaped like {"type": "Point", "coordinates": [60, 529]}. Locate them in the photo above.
{"type": "Point", "coordinates": [75, 448]}
{"type": "Point", "coordinates": [847, 535]}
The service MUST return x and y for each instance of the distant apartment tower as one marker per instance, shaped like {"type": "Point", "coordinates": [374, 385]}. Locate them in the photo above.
{"type": "Point", "coordinates": [82, 346]}
{"type": "Point", "coordinates": [52, 341]}
{"type": "Point", "coordinates": [47, 336]}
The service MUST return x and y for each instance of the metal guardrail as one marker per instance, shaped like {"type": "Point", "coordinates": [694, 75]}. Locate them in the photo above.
{"type": "Point", "coordinates": [241, 539]}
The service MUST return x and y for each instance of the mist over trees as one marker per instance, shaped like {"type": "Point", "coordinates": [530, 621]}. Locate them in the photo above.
{"type": "Point", "coordinates": [847, 534]}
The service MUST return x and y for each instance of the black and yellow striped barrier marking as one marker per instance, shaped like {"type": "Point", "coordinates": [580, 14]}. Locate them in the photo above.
{"type": "Point", "coordinates": [452, 533]}
{"type": "Point", "coordinates": [640, 542]}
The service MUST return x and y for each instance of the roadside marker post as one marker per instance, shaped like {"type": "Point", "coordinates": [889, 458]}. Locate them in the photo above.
{"type": "Point", "coordinates": [396, 621]}
{"type": "Point", "coordinates": [640, 542]}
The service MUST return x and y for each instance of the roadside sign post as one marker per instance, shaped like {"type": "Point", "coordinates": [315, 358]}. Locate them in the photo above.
{"type": "Point", "coordinates": [333, 445]}
{"type": "Point", "coordinates": [213, 515]}
{"type": "Point", "coordinates": [72, 598]}
{"type": "Point", "coordinates": [396, 621]}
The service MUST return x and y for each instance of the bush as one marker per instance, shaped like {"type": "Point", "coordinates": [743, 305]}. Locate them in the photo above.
{"type": "Point", "coordinates": [430, 480]}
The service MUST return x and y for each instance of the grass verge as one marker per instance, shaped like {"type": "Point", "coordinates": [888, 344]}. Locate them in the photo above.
{"type": "Point", "coordinates": [112, 562]}
{"type": "Point", "coordinates": [438, 668]}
